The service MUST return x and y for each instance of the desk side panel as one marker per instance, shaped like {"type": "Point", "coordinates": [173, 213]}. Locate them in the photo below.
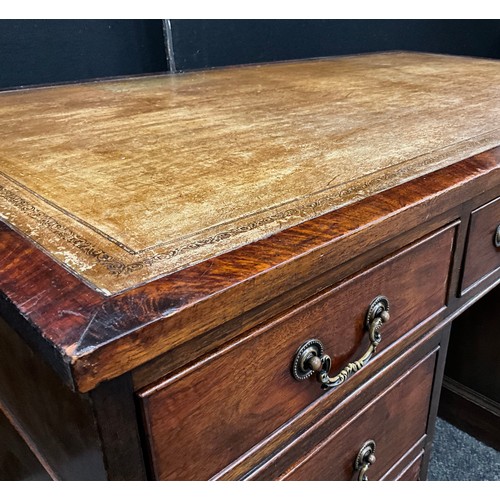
{"type": "Point", "coordinates": [59, 422]}
{"type": "Point", "coordinates": [17, 461]}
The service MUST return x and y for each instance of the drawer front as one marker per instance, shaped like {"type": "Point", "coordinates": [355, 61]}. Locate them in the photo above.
{"type": "Point", "coordinates": [393, 422]}
{"type": "Point", "coordinates": [202, 419]}
{"type": "Point", "coordinates": [408, 460]}
{"type": "Point", "coordinates": [482, 254]}
{"type": "Point", "coordinates": [412, 472]}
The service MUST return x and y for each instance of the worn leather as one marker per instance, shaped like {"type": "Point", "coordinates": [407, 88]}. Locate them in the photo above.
{"type": "Point", "coordinates": [122, 181]}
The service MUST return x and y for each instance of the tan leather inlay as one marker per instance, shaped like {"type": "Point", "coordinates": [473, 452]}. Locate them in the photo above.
{"type": "Point", "coordinates": [123, 181]}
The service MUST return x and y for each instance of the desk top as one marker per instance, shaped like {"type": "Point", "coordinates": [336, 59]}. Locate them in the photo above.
{"type": "Point", "coordinates": [164, 214]}
{"type": "Point", "coordinates": [124, 181]}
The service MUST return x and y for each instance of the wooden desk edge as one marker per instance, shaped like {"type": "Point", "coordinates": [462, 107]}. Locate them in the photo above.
{"type": "Point", "coordinates": [89, 338]}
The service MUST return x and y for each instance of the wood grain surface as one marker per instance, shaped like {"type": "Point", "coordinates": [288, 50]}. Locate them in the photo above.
{"type": "Point", "coordinates": [124, 181]}
{"type": "Point", "coordinates": [413, 454]}
{"type": "Point", "coordinates": [412, 472]}
{"type": "Point", "coordinates": [482, 257]}
{"type": "Point", "coordinates": [307, 431]}
{"type": "Point", "coordinates": [395, 420]}
{"type": "Point", "coordinates": [235, 385]}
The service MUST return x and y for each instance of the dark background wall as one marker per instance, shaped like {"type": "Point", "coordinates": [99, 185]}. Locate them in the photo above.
{"type": "Point", "coordinates": [200, 44]}
{"type": "Point", "coordinates": [54, 51]}
{"type": "Point", "coordinates": [38, 52]}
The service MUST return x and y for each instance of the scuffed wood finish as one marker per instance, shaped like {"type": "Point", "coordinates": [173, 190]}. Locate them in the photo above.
{"type": "Point", "coordinates": [51, 308]}
{"type": "Point", "coordinates": [481, 257]}
{"type": "Point", "coordinates": [128, 180]}
{"type": "Point", "coordinates": [415, 281]}
{"type": "Point", "coordinates": [395, 420]}
{"type": "Point", "coordinates": [89, 337]}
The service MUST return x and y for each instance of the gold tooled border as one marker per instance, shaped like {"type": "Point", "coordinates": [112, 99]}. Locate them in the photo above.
{"type": "Point", "coordinates": [338, 195]}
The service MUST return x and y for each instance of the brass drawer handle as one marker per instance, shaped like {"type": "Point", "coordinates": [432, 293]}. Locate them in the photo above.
{"type": "Point", "coordinates": [496, 239]}
{"type": "Point", "coordinates": [310, 359]}
{"type": "Point", "coordinates": [365, 458]}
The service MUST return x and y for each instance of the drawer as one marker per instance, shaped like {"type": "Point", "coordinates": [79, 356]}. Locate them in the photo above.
{"type": "Point", "coordinates": [202, 418]}
{"type": "Point", "coordinates": [412, 471]}
{"type": "Point", "coordinates": [410, 460]}
{"type": "Point", "coordinates": [389, 426]}
{"type": "Point", "coordinates": [482, 253]}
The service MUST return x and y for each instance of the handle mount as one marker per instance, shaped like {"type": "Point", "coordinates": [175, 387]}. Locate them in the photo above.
{"type": "Point", "coordinates": [310, 358]}
{"type": "Point", "coordinates": [364, 459]}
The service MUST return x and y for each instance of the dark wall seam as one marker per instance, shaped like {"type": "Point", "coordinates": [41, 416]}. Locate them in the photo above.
{"type": "Point", "coordinates": [169, 45]}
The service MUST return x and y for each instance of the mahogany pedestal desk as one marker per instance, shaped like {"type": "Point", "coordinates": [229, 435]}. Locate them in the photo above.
{"type": "Point", "coordinates": [248, 273]}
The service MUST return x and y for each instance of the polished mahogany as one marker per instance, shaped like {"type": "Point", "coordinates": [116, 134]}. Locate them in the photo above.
{"type": "Point", "coordinates": [186, 373]}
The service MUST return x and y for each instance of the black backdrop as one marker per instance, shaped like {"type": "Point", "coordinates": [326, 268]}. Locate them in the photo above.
{"type": "Point", "coordinates": [54, 51]}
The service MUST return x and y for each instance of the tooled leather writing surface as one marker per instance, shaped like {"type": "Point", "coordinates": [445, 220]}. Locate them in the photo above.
{"type": "Point", "coordinates": [127, 180]}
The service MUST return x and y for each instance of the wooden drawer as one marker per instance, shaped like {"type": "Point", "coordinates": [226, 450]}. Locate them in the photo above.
{"type": "Point", "coordinates": [201, 419]}
{"type": "Point", "coordinates": [395, 420]}
{"type": "Point", "coordinates": [412, 471]}
{"type": "Point", "coordinates": [411, 460]}
{"type": "Point", "coordinates": [482, 253]}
